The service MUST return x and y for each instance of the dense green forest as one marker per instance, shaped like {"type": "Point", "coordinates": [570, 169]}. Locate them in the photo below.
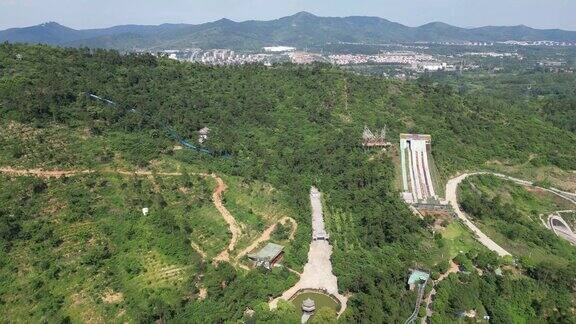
{"type": "Point", "coordinates": [288, 126]}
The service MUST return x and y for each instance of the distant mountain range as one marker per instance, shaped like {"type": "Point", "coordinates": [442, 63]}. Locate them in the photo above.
{"type": "Point", "coordinates": [299, 30]}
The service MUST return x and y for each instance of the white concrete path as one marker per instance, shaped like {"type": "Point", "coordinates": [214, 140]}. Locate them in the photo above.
{"type": "Point", "coordinates": [317, 272]}
{"type": "Point", "coordinates": [451, 196]}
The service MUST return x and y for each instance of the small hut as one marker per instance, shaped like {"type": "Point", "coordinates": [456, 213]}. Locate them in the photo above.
{"type": "Point", "coordinates": [416, 278]}
{"type": "Point", "coordinates": [267, 256]}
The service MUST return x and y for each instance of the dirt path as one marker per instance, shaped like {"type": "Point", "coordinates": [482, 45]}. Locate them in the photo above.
{"type": "Point", "coordinates": [42, 173]}
{"type": "Point", "coordinates": [69, 173]}
{"type": "Point", "coordinates": [452, 269]}
{"type": "Point", "coordinates": [199, 250]}
{"type": "Point", "coordinates": [266, 236]}
{"type": "Point", "coordinates": [216, 196]}
{"type": "Point", "coordinates": [232, 224]}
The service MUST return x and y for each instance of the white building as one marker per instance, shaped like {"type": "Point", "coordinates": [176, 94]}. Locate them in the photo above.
{"type": "Point", "coordinates": [278, 49]}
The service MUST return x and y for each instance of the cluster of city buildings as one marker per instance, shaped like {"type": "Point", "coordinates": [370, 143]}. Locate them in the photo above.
{"type": "Point", "coordinates": [395, 45]}
{"type": "Point", "coordinates": [414, 60]}
{"type": "Point", "coordinates": [305, 57]}
{"type": "Point", "coordinates": [405, 62]}
{"type": "Point", "coordinates": [460, 43]}
{"type": "Point", "coordinates": [491, 54]}
{"type": "Point", "coordinates": [510, 42]}
{"type": "Point", "coordinates": [220, 56]}
{"type": "Point", "coordinates": [538, 43]}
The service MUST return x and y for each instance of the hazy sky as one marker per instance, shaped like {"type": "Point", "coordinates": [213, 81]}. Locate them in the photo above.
{"type": "Point", "coordinates": [465, 13]}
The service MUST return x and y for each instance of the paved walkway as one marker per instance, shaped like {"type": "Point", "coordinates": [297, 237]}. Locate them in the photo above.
{"type": "Point", "coordinates": [318, 271]}
{"type": "Point", "coordinates": [451, 196]}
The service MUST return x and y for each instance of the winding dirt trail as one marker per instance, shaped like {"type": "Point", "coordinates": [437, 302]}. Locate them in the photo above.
{"type": "Point", "coordinates": [42, 173]}
{"type": "Point", "coordinates": [199, 250]}
{"type": "Point", "coordinates": [266, 236]}
{"type": "Point", "coordinates": [216, 196]}
{"type": "Point", "coordinates": [232, 224]}
{"type": "Point", "coordinates": [452, 269]}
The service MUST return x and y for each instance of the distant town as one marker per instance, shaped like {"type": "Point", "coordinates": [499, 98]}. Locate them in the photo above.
{"type": "Point", "coordinates": [393, 60]}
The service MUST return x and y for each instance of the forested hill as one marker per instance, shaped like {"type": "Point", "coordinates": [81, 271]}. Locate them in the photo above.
{"type": "Point", "coordinates": [300, 30]}
{"type": "Point", "coordinates": [253, 110]}
{"type": "Point", "coordinates": [289, 126]}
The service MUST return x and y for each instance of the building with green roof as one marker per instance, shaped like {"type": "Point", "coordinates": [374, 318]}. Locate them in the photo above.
{"type": "Point", "coordinates": [417, 277]}
{"type": "Point", "coordinates": [267, 256]}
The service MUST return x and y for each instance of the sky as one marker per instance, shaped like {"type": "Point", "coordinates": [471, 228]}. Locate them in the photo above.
{"type": "Point", "coordinates": [82, 14]}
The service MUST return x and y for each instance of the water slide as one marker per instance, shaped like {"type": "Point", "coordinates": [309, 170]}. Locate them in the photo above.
{"type": "Point", "coordinates": [416, 188]}
{"type": "Point", "coordinates": [429, 182]}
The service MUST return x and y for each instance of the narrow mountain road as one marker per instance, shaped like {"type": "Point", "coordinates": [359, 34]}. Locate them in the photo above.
{"type": "Point", "coordinates": [451, 196]}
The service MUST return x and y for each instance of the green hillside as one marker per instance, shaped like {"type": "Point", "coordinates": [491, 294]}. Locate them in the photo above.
{"type": "Point", "coordinates": [285, 127]}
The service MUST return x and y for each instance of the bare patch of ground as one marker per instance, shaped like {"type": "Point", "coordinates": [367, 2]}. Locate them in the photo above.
{"type": "Point", "coordinates": [87, 312]}
{"type": "Point", "coordinates": [203, 293]}
{"type": "Point", "coordinates": [112, 297]}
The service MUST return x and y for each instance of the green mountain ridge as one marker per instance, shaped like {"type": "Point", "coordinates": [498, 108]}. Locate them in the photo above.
{"type": "Point", "coordinates": [299, 30]}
